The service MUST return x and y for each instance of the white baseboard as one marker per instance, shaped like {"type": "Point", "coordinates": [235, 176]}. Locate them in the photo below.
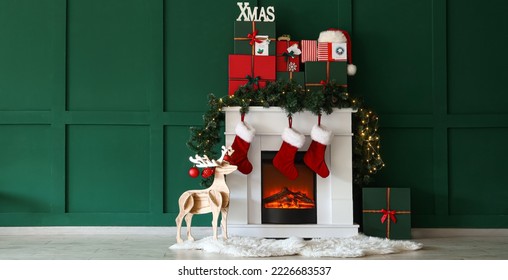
{"type": "Point", "coordinates": [417, 233]}
{"type": "Point", "coordinates": [457, 232]}
{"type": "Point", "coordinates": [87, 230]}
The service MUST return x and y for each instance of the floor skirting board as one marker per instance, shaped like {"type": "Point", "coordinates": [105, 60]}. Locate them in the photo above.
{"type": "Point", "coordinates": [457, 232]}
{"type": "Point", "coordinates": [416, 232]}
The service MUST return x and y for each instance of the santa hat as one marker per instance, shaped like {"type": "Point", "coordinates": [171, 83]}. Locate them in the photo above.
{"type": "Point", "coordinates": [339, 36]}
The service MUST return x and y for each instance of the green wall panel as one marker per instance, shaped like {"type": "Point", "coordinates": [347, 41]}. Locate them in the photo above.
{"type": "Point", "coordinates": [409, 165]}
{"type": "Point", "coordinates": [108, 168]}
{"type": "Point", "coordinates": [114, 54]}
{"type": "Point", "coordinates": [25, 169]}
{"type": "Point", "coordinates": [31, 52]}
{"type": "Point", "coordinates": [198, 38]}
{"type": "Point", "coordinates": [477, 186]}
{"type": "Point", "coordinates": [477, 56]}
{"type": "Point", "coordinates": [392, 48]}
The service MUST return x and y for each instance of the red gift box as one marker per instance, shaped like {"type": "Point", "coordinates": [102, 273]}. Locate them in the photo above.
{"type": "Point", "coordinates": [242, 67]}
{"type": "Point", "coordinates": [285, 61]}
{"type": "Point", "coordinates": [332, 51]}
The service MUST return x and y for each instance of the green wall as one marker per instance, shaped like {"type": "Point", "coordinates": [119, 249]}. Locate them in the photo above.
{"type": "Point", "coordinates": [96, 98]}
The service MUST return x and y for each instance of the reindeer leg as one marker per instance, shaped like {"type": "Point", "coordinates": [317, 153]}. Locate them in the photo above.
{"type": "Point", "coordinates": [224, 223]}
{"type": "Point", "coordinates": [215, 205]}
{"type": "Point", "coordinates": [178, 221]}
{"type": "Point", "coordinates": [186, 202]}
{"type": "Point", "coordinates": [188, 221]}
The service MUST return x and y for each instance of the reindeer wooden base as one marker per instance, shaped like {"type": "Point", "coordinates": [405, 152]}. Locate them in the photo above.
{"type": "Point", "coordinates": [214, 199]}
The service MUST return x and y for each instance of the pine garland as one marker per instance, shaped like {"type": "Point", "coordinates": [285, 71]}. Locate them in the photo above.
{"type": "Point", "coordinates": [293, 98]}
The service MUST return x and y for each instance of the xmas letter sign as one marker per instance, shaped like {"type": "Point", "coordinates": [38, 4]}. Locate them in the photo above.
{"type": "Point", "coordinates": [251, 14]}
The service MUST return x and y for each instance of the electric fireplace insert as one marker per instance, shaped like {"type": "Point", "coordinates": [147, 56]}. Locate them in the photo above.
{"type": "Point", "coordinates": [286, 201]}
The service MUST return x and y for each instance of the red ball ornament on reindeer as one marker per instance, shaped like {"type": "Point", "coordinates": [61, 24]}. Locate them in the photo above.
{"type": "Point", "coordinates": [194, 172]}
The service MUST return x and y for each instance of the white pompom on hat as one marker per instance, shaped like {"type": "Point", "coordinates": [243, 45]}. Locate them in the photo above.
{"type": "Point", "coordinates": [339, 36]}
{"type": "Point", "coordinates": [332, 36]}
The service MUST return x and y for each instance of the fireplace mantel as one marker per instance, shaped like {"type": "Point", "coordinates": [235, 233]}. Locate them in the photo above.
{"type": "Point", "coordinates": [334, 194]}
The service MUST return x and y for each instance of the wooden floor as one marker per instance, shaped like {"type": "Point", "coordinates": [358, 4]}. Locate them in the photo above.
{"type": "Point", "coordinates": [82, 243]}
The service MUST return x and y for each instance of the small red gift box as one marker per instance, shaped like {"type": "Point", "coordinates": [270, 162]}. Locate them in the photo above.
{"type": "Point", "coordinates": [332, 51]}
{"type": "Point", "coordinates": [287, 61]}
{"type": "Point", "coordinates": [256, 68]}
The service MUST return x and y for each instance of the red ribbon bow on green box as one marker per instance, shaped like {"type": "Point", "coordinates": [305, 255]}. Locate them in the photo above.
{"type": "Point", "coordinates": [388, 214]}
{"type": "Point", "coordinates": [253, 38]}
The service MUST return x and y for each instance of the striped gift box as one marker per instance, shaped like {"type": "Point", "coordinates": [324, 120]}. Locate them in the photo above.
{"type": "Point", "coordinates": [322, 51]}
{"type": "Point", "coordinates": [309, 50]}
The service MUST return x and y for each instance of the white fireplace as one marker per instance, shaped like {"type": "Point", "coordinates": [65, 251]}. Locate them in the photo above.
{"type": "Point", "coordinates": [334, 194]}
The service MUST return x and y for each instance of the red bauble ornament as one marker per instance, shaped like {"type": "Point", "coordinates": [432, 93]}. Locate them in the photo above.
{"type": "Point", "coordinates": [207, 172]}
{"type": "Point", "coordinates": [194, 172]}
{"type": "Point", "coordinates": [227, 158]}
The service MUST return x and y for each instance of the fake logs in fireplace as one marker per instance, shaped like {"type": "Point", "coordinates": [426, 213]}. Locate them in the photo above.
{"type": "Point", "coordinates": [287, 201]}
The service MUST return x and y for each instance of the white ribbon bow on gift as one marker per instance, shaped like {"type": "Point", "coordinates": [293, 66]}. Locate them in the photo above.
{"type": "Point", "coordinates": [294, 50]}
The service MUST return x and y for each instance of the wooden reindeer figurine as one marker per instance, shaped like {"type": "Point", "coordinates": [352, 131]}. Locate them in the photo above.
{"type": "Point", "coordinates": [214, 199]}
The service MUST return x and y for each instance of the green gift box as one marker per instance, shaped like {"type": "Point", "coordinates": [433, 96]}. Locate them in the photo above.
{"type": "Point", "coordinates": [387, 212]}
{"type": "Point", "coordinates": [298, 77]}
{"type": "Point", "coordinates": [319, 72]}
{"type": "Point", "coordinates": [244, 34]}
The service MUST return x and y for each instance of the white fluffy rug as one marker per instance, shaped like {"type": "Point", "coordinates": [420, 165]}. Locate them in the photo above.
{"type": "Point", "coordinates": [351, 247]}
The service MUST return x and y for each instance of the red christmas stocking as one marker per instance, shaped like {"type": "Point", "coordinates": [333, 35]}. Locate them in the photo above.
{"type": "Point", "coordinates": [244, 135]}
{"type": "Point", "coordinates": [315, 156]}
{"type": "Point", "coordinates": [284, 160]}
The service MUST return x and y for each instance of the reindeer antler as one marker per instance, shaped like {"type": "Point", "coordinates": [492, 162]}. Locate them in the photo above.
{"type": "Point", "coordinates": [203, 161]}
{"type": "Point", "coordinates": [229, 151]}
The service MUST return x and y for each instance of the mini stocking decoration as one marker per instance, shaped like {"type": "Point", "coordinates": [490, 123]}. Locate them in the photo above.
{"type": "Point", "coordinates": [315, 156]}
{"type": "Point", "coordinates": [284, 160]}
{"type": "Point", "coordinates": [244, 135]}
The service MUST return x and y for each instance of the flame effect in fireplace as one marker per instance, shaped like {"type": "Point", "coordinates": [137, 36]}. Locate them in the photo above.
{"type": "Point", "coordinates": [280, 192]}
{"type": "Point", "coordinates": [289, 198]}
